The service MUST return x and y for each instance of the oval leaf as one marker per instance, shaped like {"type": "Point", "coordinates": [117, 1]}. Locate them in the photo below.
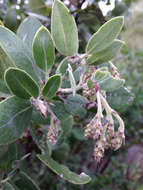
{"type": "Point", "coordinates": [17, 53]}
{"type": "Point", "coordinates": [52, 86]}
{"type": "Point", "coordinates": [64, 30]}
{"type": "Point", "coordinates": [13, 111]}
{"type": "Point", "coordinates": [75, 105]}
{"type": "Point", "coordinates": [63, 171]}
{"type": "Point", "coordinates": [107, 82]}
{"type": "Point", "coordinates": [106, 54]}
{"type": "Point", "coordinates": [105, 35]}
{"type": "Point", "coordinates": [28, 29]}
{"type": "Point", "coordinates": [43, 49]}
{"type": "Point", "coordinates": [21, 84]}
{"type": "Point", "coordinates": [66, 125]}
{"type": "Point", "coordinates": [59, 110]}
{"type": "Point", "coordinates": [120, 99]}
{"type": "Point", "coordinates": [10, 19]}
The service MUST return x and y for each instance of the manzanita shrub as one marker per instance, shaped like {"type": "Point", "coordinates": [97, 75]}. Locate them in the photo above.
{"type": "Point", "coordinates": [47, 97]}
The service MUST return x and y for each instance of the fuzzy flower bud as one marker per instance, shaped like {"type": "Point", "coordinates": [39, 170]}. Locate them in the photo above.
{"type": "Point", "coordinates": [94, 128]}
{"type": "Point", "coordinates": [51, 137]}
{"type": "Point", "coordinates": [52, 134]}
{"type": "Point", "coordinates": [116, 142]}
{"type": "Point", "coordinates": [98, 151]}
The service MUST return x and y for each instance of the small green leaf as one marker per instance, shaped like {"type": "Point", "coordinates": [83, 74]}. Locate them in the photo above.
{"type": "Point", "coordinates": [21, 84]}
{"type": "Point", "coordinates": [61, 152]}
{"type": "Point", "coordinates": [27, 30]}
{"type": "Point", "coordinates": [64, 30]}
{"type": "Point", "coordinates": [64, 172]}
{"type": "Point", "coordinates": [105, 35]}
{"type": "Point", "coordinates": [15, 53]}
{"type": "Point", "coordinates": [7, 186]}
{"type": "Point", "coordinates": [62, 68]}
{"type": "Point", "coordinates": [90, 84]}
{"type": "Point", "coordinates": [107, 82]}
{"type": "Point", "coordinates": [75, 105]}
{"type": "Point", "coordinates": [52, 86]}
{"type": "Point", "coordinates": [106, 54]}
{"type": "Point", "coordinates": [25, 182]}
{"type": "Point", "coordinates": [15, 114]}
{"type": "Point", "coordinates": [10, 19]}
{"type": "Point", "coordinates": [120, 99]}
{"type": "Point", "coordinates": [77, 132]}
{"type": "Point", "coordinates": [59, 110]}
{"type": "Point", "coordinates": [43, 49]}
{"type": "Point", "coordinates": [66, 125]}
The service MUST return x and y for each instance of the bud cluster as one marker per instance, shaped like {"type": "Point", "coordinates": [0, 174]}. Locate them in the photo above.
{"type": "Point", "coordinates": [90, 86]}
{"type": "Point", "coordinates": [94, 128]}
{"type": "Point", "coordinates": [89, 93]}
{"type": "Point", "coordinates": [53, 131]}
{"type": "Point", "coordinates": [101, 128]}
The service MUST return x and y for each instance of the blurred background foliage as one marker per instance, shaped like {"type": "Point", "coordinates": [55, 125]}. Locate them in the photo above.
{"type": "Point", "coordinates": [121, 170]}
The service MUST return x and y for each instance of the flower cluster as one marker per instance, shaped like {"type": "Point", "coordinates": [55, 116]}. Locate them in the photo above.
{"type": "Point", "coordinates": [102, 129]}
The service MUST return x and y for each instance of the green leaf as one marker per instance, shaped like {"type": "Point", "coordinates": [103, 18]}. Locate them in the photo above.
{"type": "Point", "coordinates": [52, 86]}
{"type": "Point", "coordinates": [61, 152]}
{"type": "Point", "coordinates": [15, 114]}
{"type": "Point", "coordinates": [62, 68]}
{"type": "Point", "coordinates": [107, 82]}
{"type": "Point", "coordinates": [26, 182]}
{"type": "Point", "coordinates": [64, 172]}
{"type": "Point", "coordinates": [120, 99]}
{"type": "Point", "coordinates": [59, 110]}
{"type": "Point", "coordinates": [105, 35]}
{"type": "Point", "coordinates": [28, 29]}
{"type": "Point", "coordinates": [15, 52]}
{"type": "Point", "coordinates": [7, 186]}
{"type": "Point", "coordinates": [21, 84]}
{"type": "Point", "coordinates": [77, 132]}
{"type": "Point", "coordinates": [64, 30]}
{"type": "Point", "coordinates": [10, 20]}
{"type": "Point", "coordinates": [106, 54]}
{"type": "Point", "coordinates": [43, 49]}
{"type": "Point", "coordinates": [75, 105]}
{"type": "Point", "coordinates": [66, 125]}
{"type": "Point", "coordinates": [39, 7]}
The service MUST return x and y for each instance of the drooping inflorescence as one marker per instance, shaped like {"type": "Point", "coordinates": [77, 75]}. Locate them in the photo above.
{"type": "Point", "coordinates": [102, 127]}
